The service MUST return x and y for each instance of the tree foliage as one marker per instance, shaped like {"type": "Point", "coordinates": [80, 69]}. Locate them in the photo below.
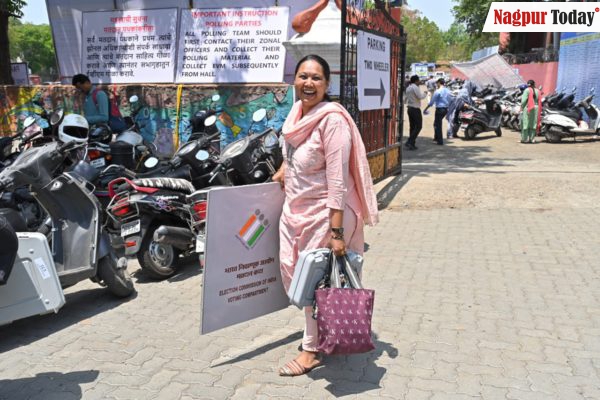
{"type": "Point", "coordinates": [33, 44]}
{"type": "Point", "coordinates": [458, 43]}
{"type": "Point", "coordinates": [425, 41]}
{"type": "Point", "coordinates": [8, 8]}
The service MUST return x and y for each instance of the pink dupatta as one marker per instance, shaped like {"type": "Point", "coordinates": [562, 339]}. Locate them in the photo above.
{"type": "Point", "coordinates": [297, 129]}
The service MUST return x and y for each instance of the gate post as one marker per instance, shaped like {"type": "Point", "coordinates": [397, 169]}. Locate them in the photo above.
{"type": "Point", "coordinates": [381, 129]}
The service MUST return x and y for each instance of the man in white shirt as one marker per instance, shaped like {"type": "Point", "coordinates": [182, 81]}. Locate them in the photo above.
{"type": "Point", "coordinates": [413, 108]}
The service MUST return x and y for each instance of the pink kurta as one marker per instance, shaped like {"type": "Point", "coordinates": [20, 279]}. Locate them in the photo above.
{"type": "Point", "coordinates": [317, 179]}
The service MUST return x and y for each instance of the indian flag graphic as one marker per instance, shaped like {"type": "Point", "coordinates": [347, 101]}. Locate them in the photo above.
{"type": "Point", "coordinates": [253, 229]}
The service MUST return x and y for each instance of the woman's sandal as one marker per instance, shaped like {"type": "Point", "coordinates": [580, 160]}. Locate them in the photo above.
{"type": "Point", "coordinates": [294, 368]}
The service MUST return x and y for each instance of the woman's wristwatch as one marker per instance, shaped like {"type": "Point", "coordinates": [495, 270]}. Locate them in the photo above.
{"type": "Point", "coordinates": [337, 233]}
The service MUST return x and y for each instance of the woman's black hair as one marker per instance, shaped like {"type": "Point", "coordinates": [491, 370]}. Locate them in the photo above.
{"type": "Point", "coordinates": [324, 65]}
{"type": "Point", "coordinates": [531, 83]}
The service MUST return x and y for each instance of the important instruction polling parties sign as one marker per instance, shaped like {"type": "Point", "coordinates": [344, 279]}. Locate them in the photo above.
{"type": "Point", "coordinates": [241, 276]}
{"type": "Point", "coordinates": [373, 76]}
{"type": "Point", "coordinates": [129, 46]}
{"type": "Point", "coordinates": [232, 45]}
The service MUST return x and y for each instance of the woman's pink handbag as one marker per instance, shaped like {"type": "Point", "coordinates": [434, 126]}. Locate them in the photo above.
{"type": "Point", "coordinates": [344, 312]}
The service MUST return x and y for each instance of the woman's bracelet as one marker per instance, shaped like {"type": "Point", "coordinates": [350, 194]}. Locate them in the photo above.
{"type": "Point", "coordinates": [337, 237]}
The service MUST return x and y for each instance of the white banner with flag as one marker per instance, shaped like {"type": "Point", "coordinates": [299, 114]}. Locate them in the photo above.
{"type": "Point", "coordinates": [242, 280]}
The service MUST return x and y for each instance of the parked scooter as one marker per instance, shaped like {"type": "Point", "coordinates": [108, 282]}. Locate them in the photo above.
{"type": "Point", "coordinates": [556, 126]}
{"type": "Point", "coordinates": [142, 205]}
{"type": "Point", "coordinates": [154, 213]}
{"type": "Point", "coordinates": [19, 200]}
{"type": "Point", "coordinates": [475, 120]}
{"type": "Point", "coordinates": [80, 247]}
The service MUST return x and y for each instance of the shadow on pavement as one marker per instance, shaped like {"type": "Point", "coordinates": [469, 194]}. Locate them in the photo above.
{"type": "Point", "coordinates": [354, 374]}
{"type": "Point", "coordinates": [184, 271]}
{"type": "Point", "coordinates": [78, 306]}
{"type": "Point", "coordinates": [389, 191]}
{"type": "Point", "coordinates": [47, 385]}
{"type": "Point", "coordinates": [431, 159]}
{"type": "Point", "coordinates": [263, 349]}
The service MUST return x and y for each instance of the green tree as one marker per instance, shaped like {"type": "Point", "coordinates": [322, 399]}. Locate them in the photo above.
{"type": "Point", "coordinates": [458, 43]}
{"type": "Point", "coordinates": [8, 8]}
{"type": "Point", "coordinates": [425, 41]}
{"type": "Point", "coordinates": [33, 44]}
{"type": "Point", "coordinates": [472, 14]}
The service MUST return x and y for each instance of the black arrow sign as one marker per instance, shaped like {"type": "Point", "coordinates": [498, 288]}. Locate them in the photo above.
{"type": "Point", "coordinates": [376, 92]}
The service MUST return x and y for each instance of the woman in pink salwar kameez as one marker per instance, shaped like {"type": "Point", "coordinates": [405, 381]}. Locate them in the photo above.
{"type": "Point", "coordinates": [328, 187]}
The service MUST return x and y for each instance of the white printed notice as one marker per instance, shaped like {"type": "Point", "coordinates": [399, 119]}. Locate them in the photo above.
{"type": "Point", "coordinates": [242, 280]}
{"type": "Point", "coordinates": [129, 46]}
{"type": "Point", "coordinates": [229, 45]}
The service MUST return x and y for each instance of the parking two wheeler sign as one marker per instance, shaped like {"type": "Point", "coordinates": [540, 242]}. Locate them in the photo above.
{"type": "Point", "coordinates": [242, 280]}
{"type": "Point", "coordinates": [373, 75]}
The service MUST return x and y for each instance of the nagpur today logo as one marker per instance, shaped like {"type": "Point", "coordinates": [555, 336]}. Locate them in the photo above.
{"type": "Point", "coordinates": [542, 17]}
{"type": "Point", "coordinates": [253, 229]}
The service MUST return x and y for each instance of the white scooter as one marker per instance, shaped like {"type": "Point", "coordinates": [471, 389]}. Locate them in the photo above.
{"type": "Point", "coordinates": [555, 127]}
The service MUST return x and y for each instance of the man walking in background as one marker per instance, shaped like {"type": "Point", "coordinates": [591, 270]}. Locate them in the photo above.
{"type": "Point", "coordinates": [441, 99]}
{"type": "Point", "coordinates": [95, 106]}
{"type": "Point", "coordinates": [413, 105]}
{"type": "Point", "coordinates": [431, 86]}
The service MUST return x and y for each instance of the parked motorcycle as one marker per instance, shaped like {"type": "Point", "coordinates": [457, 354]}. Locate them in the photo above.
{"type": "Point", "coordinates": [140, 206]}
{"type": "Point", "coordinates": [154, 213]}
{"type": "Point", "coordinates": [81, 249]}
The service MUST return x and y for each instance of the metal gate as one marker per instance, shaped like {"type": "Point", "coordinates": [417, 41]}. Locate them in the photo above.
{"type": "Point", "coordinates": [381, 129]}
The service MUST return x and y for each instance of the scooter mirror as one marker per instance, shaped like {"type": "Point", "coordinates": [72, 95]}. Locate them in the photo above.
{"type": "Point", "coordinates": [56, 117]}
{"type": "Point", "coordinates": [259, 115]}
{"type": "Point", "coordinates": [210, 121]}
{"type": "Point", "coordinates": [151, 162]}
{"type": "Point", "coordinates": [202, 155]}
{"type": "Point", "coordinates": [28, 122]}
{"type": "Point", "coordinates": [216, 97]}
{"type": "Point", "coordinates": [134, 99]}
{"type": "Point", "coordinates": [592, 90]}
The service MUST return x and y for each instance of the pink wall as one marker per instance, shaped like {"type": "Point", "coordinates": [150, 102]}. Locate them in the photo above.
{"type": "Point", "coordinates": [454, 74]}
{"type": "Point", "coordinates": [542, 73]}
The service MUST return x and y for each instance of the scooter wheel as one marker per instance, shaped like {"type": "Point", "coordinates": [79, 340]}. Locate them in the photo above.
{"type": "Point", "coordinates": [553, 135]}
{"type": "Point", "coordinates": [157, 259]}
{"type": "Point", "coordinates": [114, 274]}
{"type": "Point", "coordinates": [470, 133]}
{"type": "Point", "coordinates": [499, 132]}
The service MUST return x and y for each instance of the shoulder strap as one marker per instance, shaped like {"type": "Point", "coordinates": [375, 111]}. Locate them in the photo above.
{"type": "Point", "coordinates": [95, 98]}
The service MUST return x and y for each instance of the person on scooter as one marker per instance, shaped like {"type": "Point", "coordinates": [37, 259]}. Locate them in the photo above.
{"type": "Point", "coordinates": [95, 109]}
{"type": "Point", "coordinates": [531, 112]}
{"type": "Point", "coordinates": [457, 104]}
{"type": "Point", "coordinates": [441, 99]}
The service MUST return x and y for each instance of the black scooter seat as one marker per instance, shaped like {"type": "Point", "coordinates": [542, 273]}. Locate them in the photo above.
{"type": "Point", "coordinates": [178, 185]}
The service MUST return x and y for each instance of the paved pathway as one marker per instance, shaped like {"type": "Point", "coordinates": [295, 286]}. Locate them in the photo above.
{"type": "Point", "coordinates": [493, 303]}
